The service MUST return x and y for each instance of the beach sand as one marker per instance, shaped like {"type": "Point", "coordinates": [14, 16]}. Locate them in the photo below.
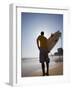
{"type": "Point", "coordinates": [31, 69]}
{"type": "Point", "coordinates": [56, 70]}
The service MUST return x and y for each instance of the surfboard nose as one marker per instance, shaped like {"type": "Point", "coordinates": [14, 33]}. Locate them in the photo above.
{"type": "Point", "coordinates": [53, 39]}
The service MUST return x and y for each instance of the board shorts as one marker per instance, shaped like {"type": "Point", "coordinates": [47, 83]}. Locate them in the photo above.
{"type": "Point", "coordinates": [43, 56]}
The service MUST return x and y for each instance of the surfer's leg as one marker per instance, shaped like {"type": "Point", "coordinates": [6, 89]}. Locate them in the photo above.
{"type": "Point", "coordinates": [47, 65]}
{"type": "Point", "coordinates": [43, 68]}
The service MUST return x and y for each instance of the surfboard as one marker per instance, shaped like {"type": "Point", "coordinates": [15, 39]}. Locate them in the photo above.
{"type": "Point", "coordinates": [53, 39]}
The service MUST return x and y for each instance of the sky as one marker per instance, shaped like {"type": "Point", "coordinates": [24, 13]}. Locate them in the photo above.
{"type": "Point", "coordinates": [31, 26]}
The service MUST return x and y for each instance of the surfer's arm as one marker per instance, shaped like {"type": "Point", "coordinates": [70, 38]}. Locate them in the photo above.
{"type": "Point", "coordinates": [38, 43]}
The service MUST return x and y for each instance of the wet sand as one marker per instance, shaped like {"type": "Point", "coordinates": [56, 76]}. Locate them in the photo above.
{"type": "Point", "coordinates": [57, 70]}
{"type": "Point", "coordinates": [34, 68]}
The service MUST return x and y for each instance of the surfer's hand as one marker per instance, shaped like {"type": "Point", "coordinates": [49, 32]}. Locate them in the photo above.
{"type": "Point", "coordinates": [39, 48]}
{"type": "Point", "coordinates": [48, 51]}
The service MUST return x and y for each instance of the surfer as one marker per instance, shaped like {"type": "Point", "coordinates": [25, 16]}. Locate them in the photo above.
{"type": "Point", "coordinates": [43, 56]}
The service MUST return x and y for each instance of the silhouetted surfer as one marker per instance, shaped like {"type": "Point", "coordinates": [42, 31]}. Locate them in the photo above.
{"type": "Point", "coordinates": [43, 56]}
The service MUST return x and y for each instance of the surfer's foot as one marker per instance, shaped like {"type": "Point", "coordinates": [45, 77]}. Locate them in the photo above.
{"type": "Point", "coordinates": [43, 74]}
{"type": "Point", "coordinates": [47, 74]}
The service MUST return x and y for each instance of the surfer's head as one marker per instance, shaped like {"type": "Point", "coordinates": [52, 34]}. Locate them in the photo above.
{"type": "Point", "coordinates": [42, 33]}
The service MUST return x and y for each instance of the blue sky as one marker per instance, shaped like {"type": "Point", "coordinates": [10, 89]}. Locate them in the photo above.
{"type": "Point", "coordinates": [31, 26]}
